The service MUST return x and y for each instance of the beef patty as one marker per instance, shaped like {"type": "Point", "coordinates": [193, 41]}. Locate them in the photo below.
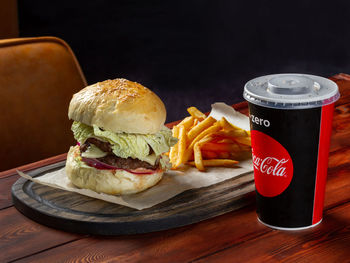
{"type": "Point", "coordinates": [104, 146]}
{"type": "Point", "coordinates": [112, 159]}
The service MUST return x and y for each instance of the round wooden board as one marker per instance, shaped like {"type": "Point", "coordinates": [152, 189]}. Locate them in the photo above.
{"type": "Point", "coordinates": [81, 214]}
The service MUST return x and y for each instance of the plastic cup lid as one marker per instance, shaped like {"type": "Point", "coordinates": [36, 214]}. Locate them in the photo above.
{"type": "Point", "coordinates": [291, 91]}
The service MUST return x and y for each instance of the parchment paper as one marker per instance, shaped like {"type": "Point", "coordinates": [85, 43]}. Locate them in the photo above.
{"type": "Point", "coordinates": [173, 182]}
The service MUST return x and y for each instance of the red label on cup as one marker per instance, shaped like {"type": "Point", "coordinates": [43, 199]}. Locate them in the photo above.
{"type": "Point", "coordinates": [273, 167]}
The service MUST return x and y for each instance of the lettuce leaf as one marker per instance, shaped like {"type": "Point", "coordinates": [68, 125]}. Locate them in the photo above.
{"type": "Point", "coordinates": [127, 144]}
{"type": "Point", "coordinates": [82, 131]}
{"type": "Point", "coordinates": [165, 162]}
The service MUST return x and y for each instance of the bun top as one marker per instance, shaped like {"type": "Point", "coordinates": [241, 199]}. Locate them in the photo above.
{"type": "Point", "coordinates": [118, 105]}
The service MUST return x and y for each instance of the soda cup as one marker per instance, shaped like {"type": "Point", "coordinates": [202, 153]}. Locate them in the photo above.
{"type": "Point", "coordinates": [291, 124]}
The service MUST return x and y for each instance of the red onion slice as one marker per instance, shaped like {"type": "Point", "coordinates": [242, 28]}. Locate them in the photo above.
{"type": "Point", "coordinates": [103, 166]}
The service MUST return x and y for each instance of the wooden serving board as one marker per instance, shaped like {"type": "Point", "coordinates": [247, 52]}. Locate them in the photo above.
{"type": "Point", "coordinates": [81, 214]}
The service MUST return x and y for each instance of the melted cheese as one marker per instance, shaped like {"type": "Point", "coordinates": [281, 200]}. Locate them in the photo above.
{"type": "Point", "coordinates": [151, 159]}
{"type": "Point", "coordinates": [93, 152]}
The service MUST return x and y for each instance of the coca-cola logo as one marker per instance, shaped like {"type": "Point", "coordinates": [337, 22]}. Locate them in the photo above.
{"type": "Point", "coordinates": [273, 166]}
{"type": "Point", "coordinates": [270, 165]}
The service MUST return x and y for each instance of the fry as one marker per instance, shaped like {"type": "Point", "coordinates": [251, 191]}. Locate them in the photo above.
{"type": "Point", "coordinates": [220, 147]}
{"type": "Point", "coordinates": [175, 131]}
{"type": "Point", "coordinates": [173, 154]}
{"type": "Point", "coordinates": [207, 131]}
{"type": "Point", "coordinates": [209, 154]}
{"type": "Point", "coordinates": [205, 139]}
{"type": "Point", "coordinates": [198, 160]}
{"type": "Point", "coordinates": [229, 126]}
{"type": "Point", "coordinates": [196, 121]}
{"type": "Point", "coordinates": [225, 141]}
{"type": "Point", "coordinates": [181, 145]}
{"type": "Point", "coordinates": [245, 148]}
{"type": "Point", "coordinates": [189, 149]}
{"type": "Point", "coordinates": [187, 122]}
{"type": "Point", "coordinates": [225, 124]}
{"type": "Point", "coordinates": [236, 128]}
{"type": "Point", "coordinates": [217, 162]}
{"type": "Point", "coordinates": [244, 140]}
{"type": "Point", "coordinates": [173, 150]}
{"type": "Point", "coordinates": [195, 113]}
{"type": "Point", "coordinates": [232, 133]}
{"type": "Point", "coordinates": [224, 155]}
{"type": "Point", "coordinates": [200, 127]}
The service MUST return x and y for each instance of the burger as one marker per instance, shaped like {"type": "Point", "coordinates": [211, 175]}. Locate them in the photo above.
{"type": "Point", "coordinates": [121, 138]}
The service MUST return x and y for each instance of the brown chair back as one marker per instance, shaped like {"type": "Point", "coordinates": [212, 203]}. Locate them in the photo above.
{"type": "Point", "coordinates": [8, 19]}
{"type": "Point", "coordinates": [38, 77]}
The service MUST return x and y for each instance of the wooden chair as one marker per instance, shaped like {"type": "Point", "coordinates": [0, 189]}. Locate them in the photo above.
{"type": "Point", "coordinates": [38, 77]}
{"type": "Point", "coordinates": [8, 19]}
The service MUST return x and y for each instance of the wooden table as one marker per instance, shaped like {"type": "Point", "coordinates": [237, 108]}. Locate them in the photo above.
{"type": "Point", "coordinates": [233, 237]}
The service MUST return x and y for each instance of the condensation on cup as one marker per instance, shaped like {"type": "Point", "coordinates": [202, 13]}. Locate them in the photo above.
{"type": "Point", "coordinates": [291, 124]}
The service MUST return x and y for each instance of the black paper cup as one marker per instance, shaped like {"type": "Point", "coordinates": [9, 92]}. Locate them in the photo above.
{"type": "Point", "coordinates": [291, 123]}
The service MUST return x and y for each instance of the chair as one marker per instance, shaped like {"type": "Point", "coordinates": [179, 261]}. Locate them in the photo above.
{"type": "Point", "coordinates": [38, 77]}
{"type": "Point", "coordinates": [8, 19]}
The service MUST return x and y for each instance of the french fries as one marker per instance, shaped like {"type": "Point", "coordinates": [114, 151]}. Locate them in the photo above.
{"type": "Point", "coordinates": [174, 150]}
{"type": "Point", "coordinates": [195, 113]}
{"type": "Point", "coordinates": [206, 142]}
{"type": "Point", "coordinates": [181, 145]}
{"type": "Point", "coordinates": [220, 147]}
{"type": "Point", "coordinates": [198, 160]}
{"type": "Point", "coordinates": [196, 130]}
{"type": "Point", "coordinates": [187, 122]}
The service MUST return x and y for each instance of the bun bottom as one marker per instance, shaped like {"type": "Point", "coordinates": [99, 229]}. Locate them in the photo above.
{"type": "Point", "coordinates": [111, 182]}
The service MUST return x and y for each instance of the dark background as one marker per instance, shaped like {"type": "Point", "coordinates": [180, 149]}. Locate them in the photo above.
{"type": "Point", "coordinates": [195, 52]}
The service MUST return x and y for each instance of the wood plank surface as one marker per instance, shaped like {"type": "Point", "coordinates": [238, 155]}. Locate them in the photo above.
{"type": "Point", "coordinates": [20, 237]}
{"type": "Point", "coordinates": [195, 241]}
{"type": "Point", "coordinates": [177, 245]}
{"type": "Point", "coordinates": [341, 128]}
{"type": "Point", "coordinates": [328, 242]}
{"type": "Point", "coordinates": [5, 192]}
{"type": "Point", "coordinates": [343, 82]}
{"type": "Point", "coordinates": [35, 165]}
{"type": "Point", "coordinates": [233, 237]}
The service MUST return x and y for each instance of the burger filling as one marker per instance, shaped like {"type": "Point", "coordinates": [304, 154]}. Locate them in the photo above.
{"type": "Point", "coordinates": [139, 153]}
{"type": "Point", "coordinates": [108, 157]}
